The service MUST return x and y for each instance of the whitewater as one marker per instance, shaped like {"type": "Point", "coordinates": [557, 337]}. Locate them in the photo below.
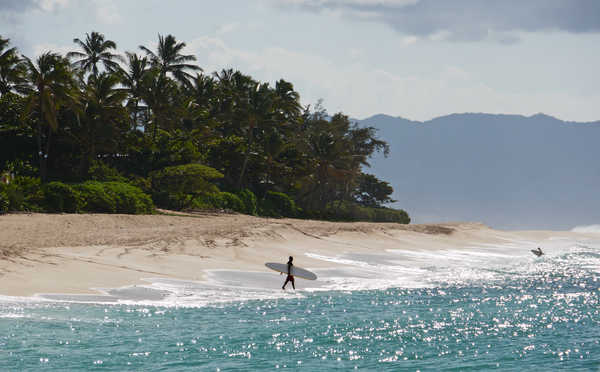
{"type": "Point", "coordinates": [484, 306]}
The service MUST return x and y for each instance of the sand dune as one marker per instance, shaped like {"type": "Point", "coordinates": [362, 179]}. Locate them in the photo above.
{"type": "Point", "coordinates": [41, 253]}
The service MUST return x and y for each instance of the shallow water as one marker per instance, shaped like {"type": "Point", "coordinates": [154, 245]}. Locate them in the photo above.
{"type": "Point", "coordinates": [481, 308]}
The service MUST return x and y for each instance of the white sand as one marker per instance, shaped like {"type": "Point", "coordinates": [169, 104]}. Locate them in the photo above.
{"type": "Point", "coordinates": [43, 253]}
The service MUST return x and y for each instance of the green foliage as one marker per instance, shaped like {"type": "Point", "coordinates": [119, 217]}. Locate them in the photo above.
{"type": "Point", "coordinates": [143, 183]}
{"type": "Point", "coordinates": [114, 197]}
{"type": "Point", "coordinates": [349, 211]}
{"type": "Point", "coordinates": [95, 198]}
{"type": "Point", "coordinates": [143, 128]}
{"type": "Point", "coordinates": [20, 167]}
{"type": "Point", "coordinates": [202, 202]}
{"type": "Point", "coordinates": [278, 204]}
{"type": "Point", "coordinates": [129, 199]}
{"type": "Point", "coordinates": [14, 196]}
{"type": "Point", "coordinates": [99, 171]}
{"type": "Point", "coordinates": [59, 197]}
{"type": "Point", "coordinates": [391, 215]}
{"type": "Point", "coordinates": [185, 179]}
{"type": "Point", "coordinates": [4, 202]}
{"type": "Point", "coordinates": [249, 200]}
{"type": "Point", "coordinates": [24, 194]}
{"type": "Point", "coordinates": [371, 192]}
{"type": "Point", "coordinates": [176, 147]}
{"type": "Point", "coordinates": [230, 201]}
{"type": "Point", "coordinates": [175, 187]}
{"type": "Point", "coordinates": [218, 200]}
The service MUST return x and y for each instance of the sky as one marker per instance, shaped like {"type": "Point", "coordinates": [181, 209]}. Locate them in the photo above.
{"type": "Point", "coordinates": [418, 59]}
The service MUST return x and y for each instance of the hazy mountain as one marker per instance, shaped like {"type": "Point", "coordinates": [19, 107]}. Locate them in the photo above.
{"type": "Point", "coordinates": [508, 171]}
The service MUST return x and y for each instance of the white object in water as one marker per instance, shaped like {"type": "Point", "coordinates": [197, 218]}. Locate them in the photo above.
{"type": "Point", "coordinates": [296, 271]}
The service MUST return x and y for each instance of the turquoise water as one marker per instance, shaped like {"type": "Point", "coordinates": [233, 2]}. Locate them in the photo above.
{"type": "Point", "coordinates": [516, 313]}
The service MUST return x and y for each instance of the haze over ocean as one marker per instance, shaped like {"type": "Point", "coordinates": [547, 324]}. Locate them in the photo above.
{"type": "Point", "coordinates": [507, 171]}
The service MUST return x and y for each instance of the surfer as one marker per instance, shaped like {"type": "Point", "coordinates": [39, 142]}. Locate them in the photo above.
{"type": "Point", "coordinates": [290, 277]}
{"type": "Point", "coordinates": [538, 252]}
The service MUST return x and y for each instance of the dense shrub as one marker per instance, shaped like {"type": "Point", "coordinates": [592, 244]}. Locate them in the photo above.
{"type": "Point", "coordinates": [219, 200]}
{"type": "Point", "coordinates": [391, 215]}
{"type": "Point", "coordinates": [278, 204]}
{"type": "Point", "coordinates": [24, 194]}
{"type": "Point", "coordinates": [175, 201]}
{"type": "Point", "coordinates": [129, 199]}
{"type": "Point", "coordinates": [95, 198]}
{"type": "Point", "coordinates": [249, 200]}
{"type": "Point", "coordinates": [347, 211]}
{"type": "Point", "coordinates": [143, 183]}
{"type": "Point", "coordinates": [114, 197]}
{"type": "Point", "coordinates": [176, 187]}
{"type": "Point", "coordinates": [4, 202]}
{"type": "Point", "coordinates": [59, 197]}
{"type": "Point", "coordinates": [99, 171]}
{"type": "Point", "coordinates": [201, 202]}
{"type": "Point", "coordinates": [227, 200]}
{"type": "Point", "coordinates": [185, 179]}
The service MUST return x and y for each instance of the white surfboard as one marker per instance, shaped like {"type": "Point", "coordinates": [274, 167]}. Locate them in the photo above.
{"type": "Point", "coordinates": [296, 271]}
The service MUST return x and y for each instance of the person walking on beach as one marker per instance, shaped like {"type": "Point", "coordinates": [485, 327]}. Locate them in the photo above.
{"type": "Point", "coordinates": [290, 277]}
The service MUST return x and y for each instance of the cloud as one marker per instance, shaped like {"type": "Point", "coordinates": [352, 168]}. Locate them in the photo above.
{"type": "Point", "coordinates": [465, 20]}
{"type": "Point", "coordinates": [39, 49]}
{"type": "Point", "coordinates": [12, 10]}
{"type": "Point", "coordinates": [20, 6]}
{"type": "Point", "coordinates": [228, 28]}
{"type": "Point", "coordinates": [107, 12]}
{"type": "Point", "coordinates": [51, 5]}
{"type": "Point", "coordinates": [15, 5]}
{"type": "Point", "coordinates": [360, 90]}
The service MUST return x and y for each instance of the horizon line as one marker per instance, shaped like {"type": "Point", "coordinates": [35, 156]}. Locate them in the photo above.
{"type": "Point", "coordinates": [478, 113]}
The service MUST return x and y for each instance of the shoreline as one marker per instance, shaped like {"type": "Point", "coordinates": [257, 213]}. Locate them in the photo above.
{"type": "Point", "coordinates": [74, 253]}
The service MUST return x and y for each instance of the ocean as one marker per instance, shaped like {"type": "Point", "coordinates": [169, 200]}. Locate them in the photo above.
{"type": "Point", "coordinates": [487, 307]}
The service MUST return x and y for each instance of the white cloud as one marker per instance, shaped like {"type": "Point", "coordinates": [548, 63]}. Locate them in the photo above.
{"type": "Point", "coordinates": [227, 28]}
{"type": "Point", "coordinates": [326, 3]}
{"type": "Point", "coordinates": [39, 49]}
{"type": "Point", "coordinates": [465, 20]}
{"type": "Point", "coordinates": [107, 12]}
{"type": "Point", "coordinates": [361, 90]}
{"type": "Point", "coordinates": [51, 5]}
{"type": "Point", "coordinates": [409, 40]}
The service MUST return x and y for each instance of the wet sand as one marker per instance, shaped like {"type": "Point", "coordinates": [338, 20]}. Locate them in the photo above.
{"type": "Point", "coordinates": [78, 254]}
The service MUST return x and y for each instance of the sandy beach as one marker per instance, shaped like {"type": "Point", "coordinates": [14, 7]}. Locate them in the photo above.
{"type": "Point", "coordinates": [66, 253]}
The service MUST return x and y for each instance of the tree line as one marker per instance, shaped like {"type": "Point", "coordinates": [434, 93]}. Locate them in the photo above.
{"type": "Point", "coordinates": [155, 122]}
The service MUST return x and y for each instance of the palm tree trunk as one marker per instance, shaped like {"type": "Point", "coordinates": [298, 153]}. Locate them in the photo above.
{"type": "Point", "coordinates": [135, 114]}
{"type": "Point", "coordinates": [48, 142]}
{"type": "Point", "coordinates": [40, 152]}
{"type": "Point", "coordinates": [39, 138]}
{"type": "Point", "coordinates": [246, 157]}
{"type": "Point", "coordinates": [155, 129]}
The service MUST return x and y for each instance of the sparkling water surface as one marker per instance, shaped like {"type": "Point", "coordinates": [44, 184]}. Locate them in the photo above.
{"type": "Point", "coordinates": [513, 313]}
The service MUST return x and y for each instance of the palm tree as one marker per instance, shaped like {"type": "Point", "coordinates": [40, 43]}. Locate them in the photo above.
{"type": "Point", "coordinates": [258, 113]}
{"type": "Point", "coordinates": [103, 111]}
{"type": "Point", "coordinates": [50, 87]}
{"type": "Point", "coordinates": [133, 80]}
{"type": "Point", "coordinates": [204, 91]}
{"type": "Point", "coordinates": [159, 93]}
{"type": "Point", "coordinates": [287, 100]}
{"type": "Point", "coordinates": [12, 69]}
{"type": "Point", "coordinates": [168, 59]}
{"type": "Point", "coordinates": [96, 50]}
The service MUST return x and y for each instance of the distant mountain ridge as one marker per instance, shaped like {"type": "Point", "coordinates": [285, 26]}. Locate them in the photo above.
{"type": "Point", "coordinates": [539, 115]}
{"type": "Point", "coordinates": [508, 171]}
